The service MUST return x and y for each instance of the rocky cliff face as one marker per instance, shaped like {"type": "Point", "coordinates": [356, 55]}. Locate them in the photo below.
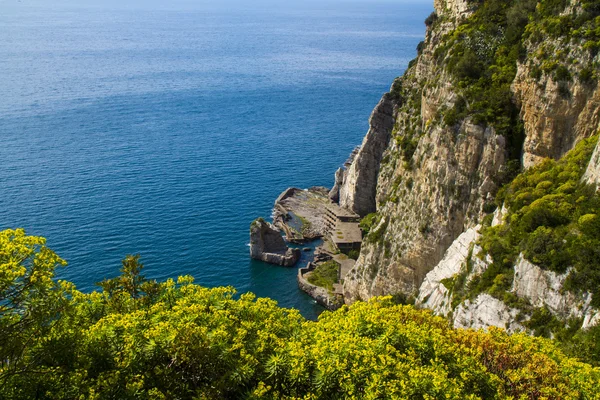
{"type": "Point", "coordinates": [438, 176]}
{"type": "Point", "coordinates": [433, 180]}
{"type": "Point", "coordinates": [557, 110]}
{"type": "Point", "coordinates": [358, 184]}
{"type": "Point", "coordinates": [535, 288]}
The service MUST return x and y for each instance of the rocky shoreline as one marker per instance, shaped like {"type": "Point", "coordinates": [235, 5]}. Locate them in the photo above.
{"type": "Point", "coordinates": [303, 216]}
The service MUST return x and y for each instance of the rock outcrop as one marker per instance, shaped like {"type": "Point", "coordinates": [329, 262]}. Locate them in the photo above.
{"type": "Point", "coordinates": [556, 113]}
{"type": "Point", "coordinates": [267, 244]}
{"type": "Point", "coordinates": [486, 311]}
{"type": "Point", "coordinates": [434, 293]}
{"type": "Point", "coordinates": [433, 179]}
{"type": "Point", "coordinates": [545, 289]}
{"type": "Point", "coordinates": [357, 193]}
{"type": "Point", "coordinates": [334, 193]}
{"type": "Point", "coordinates": [592, 174]}
{"type": "Point", "coordinates": [536, 287]}
{"type": "Point", "coordinates": [455, 9]}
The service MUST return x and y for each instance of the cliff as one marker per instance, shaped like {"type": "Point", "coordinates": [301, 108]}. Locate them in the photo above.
{"type": "Point", "coordinates": [497, 87]}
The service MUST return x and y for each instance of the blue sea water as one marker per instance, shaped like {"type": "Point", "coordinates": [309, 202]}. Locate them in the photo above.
{"type": "Point", "coordinates": [164, 129]}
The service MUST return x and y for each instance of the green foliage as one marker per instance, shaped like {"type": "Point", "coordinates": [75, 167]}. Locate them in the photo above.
{"type": "Point", "coordinates": [368, 222]}
{"type": "Point", "coordinates": [256, 222]}
{"type": "Point", "coordinates": [552, 219]}
{"type": "Point", "coordinates": [431, 19]}
{"type": "Point", "coordinates": [555, 26]}
{"type": "Point", "coordinates": [325, 275]}
{"type": "Point", "coordinates": [482, 56]}
{"type": "Point", "coordinates": [30, 300]}
{"type": "Point", "coordinates": [584, 344]}
{"type": "Point", "coordinates": [306, 228]}
{"type": "Point", "coordinates": [353, 254]}
{"type": "Point", "coordinates": [543, 323]}
{"type": "Point", "coordinates": [190, 342]}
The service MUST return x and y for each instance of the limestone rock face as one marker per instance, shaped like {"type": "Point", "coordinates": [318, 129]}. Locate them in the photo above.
{"type": "Point", "coordinates": [486, 311]}
{"type": "Point", "coordinates": [454, 8]}
{"type": "Point", "coordinates": [358, 190]}
{"type": "Point", "coordinates": [544, 288]}
{"type": "Point", "coordinates": [592, 174]}
{"type": "Point", "coordinates": [425, 206]}
{"type": "Point", "coordinates": [538, 287]}
{"type": "Point", "coordinates": [433, 179]}
{"type": "Point", "coordinates": [433, 294]}
{"type": "Point", "coordinates": [266, 244]}
{"type": "Point", "coordinates": [556, 114]}
{"type": "Point", "coordinates": [553, 122]}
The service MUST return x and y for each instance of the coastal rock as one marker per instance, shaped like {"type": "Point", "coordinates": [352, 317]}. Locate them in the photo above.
{"type": "Point", "coordinates": [358, 190]}
{"type": "Point", "coordinates": [425, 204]}
{"type": "Point", "coordinates": [266, 244]}
{"type": "Point", "coordinates": [435, 177]}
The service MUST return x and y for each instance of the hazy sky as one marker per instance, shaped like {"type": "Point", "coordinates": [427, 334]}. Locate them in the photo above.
{"type": "Point", "coordinates": [179, 4]}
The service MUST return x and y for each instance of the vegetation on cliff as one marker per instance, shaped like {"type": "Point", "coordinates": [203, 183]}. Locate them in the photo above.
{"type": "Point", "coordinates": [138, 338]}
{"type": "Point", "coordinates": [483, 52]}
{"type": "Point", "coordinates": [550, 217]}
{"type": "Point", "coordinates": [553, 220]}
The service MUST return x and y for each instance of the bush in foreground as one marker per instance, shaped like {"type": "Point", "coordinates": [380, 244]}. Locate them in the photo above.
{"type": "Point", "coordinates": [140, 339]}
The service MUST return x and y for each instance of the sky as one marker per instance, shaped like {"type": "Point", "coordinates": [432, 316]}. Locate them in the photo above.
{"type": "Point", "coordinates": [192, 4]}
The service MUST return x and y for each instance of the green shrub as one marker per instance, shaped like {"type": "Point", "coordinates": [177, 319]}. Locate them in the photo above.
{"type": "Point", "coordinates": [354, 254]}
{"type": "Point", "coordinates": [176, 340]}
{"type": "Point", "coordinates": [552, 218]}
{"type": "Point", "coordinates": [431, 19]}
{"type": "Point", "coordinates": [369, 222]}
{"type": "Point", "coordinates": [325, 275]}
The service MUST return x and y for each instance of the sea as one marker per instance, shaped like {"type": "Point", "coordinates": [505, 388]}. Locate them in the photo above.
{"type": "Point", "coordinates": [164, 128]}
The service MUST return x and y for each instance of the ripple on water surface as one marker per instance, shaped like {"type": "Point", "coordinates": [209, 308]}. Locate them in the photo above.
{"type": "Point", "coordinates": [166, 132]}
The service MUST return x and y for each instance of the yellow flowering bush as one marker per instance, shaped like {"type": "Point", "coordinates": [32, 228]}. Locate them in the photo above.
{"type": "Point", "coordinates": [140, 339]}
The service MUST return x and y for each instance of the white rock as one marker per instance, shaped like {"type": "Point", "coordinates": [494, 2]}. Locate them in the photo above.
{"type": "Point", "coordinates": [433, 294]}
{"type": "Point", "coordinates": [544, 288]}
{"type": "Point", "coordinates": [592, 174]}
{"type": "Point", "coordinates": [486, 311]}
{"type": "Point", "coordinates": [499, 215]}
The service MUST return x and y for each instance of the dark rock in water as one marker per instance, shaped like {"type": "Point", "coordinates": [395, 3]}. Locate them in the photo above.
{"type": "Point", "coordinates": [266, 244]}
{"type": "Point", "coordinates": [306, 249]}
